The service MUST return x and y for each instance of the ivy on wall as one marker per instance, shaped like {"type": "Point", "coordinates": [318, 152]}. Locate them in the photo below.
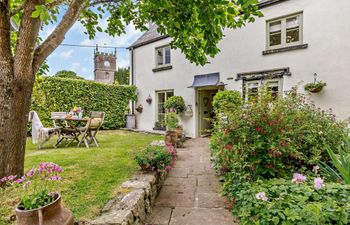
{"type": "Point", "coordinates": [53, 94]}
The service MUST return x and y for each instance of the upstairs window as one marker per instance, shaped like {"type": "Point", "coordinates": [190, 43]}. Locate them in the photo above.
{"type": "Point", "coordinates": [163, 56]}
{"type": "Point", "coordinates": [284, 32]}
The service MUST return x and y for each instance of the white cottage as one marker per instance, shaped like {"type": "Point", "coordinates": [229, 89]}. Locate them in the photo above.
{"type": "Point", "coordinates": [294, 40]}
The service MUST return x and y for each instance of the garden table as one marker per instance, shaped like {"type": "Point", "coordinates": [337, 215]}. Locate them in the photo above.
{"type": "Point", "coordinates": [70, 129]}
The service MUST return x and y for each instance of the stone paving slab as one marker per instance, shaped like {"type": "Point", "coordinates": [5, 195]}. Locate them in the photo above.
{"type": "Point", "coordinates": [190, 194]}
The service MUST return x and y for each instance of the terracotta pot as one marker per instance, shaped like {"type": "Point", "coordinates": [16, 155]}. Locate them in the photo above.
{"type": "Point", "coordinates": [171, 137]}
{"type": "Point", "coordinates": [179, 132]}
{"type": "Point", "coordinates": [51, 214]}
{"type": "Point", "coordinates": [316, 90]}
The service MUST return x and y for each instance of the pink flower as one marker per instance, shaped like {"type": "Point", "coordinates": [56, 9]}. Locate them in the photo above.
{"type": "Point", "coordinates": [318, 183]}
{"type": "Point", "coordinates": [168, 168]}
{"type": "Point", "coordinates": [261, 196]}
{"type": "Point", "coordinates": [298, 178]}
{"type": "Point", "coordinates": [31, 173]}
{"type": "Point", "coordinates": [56, 177]}
{"type": "Point", "coordinates": [26, 184]}
{"type": "Point", "coordinates": [20, 180]}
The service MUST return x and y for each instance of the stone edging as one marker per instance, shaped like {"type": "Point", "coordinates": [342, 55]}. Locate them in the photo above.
{"type": "Point", "coordinates": [133, 200]}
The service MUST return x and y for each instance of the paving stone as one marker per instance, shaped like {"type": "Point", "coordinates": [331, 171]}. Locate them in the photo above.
{"type": "Point", "coordinates": [159, 216]}
{"type": "Point", "coordinates": [178, 181]}
{"type": "Point", "coordinates": [179, 172]}
{"type": "Point", "coordinates": [212, 200]}
{"type": "Point", "coordinates": [175, 197]}
{"type": "Point", "coordinates": [196, 216]}
{"type": "Point", "coordinates": [115, 218]}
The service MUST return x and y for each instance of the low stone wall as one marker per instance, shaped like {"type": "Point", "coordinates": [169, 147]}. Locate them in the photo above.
{"type": "Point", "coordinates": [133, 201]}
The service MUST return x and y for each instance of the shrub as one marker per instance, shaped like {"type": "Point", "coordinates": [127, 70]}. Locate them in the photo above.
{"type": "Point", "coordinates": [59, 94]}
{"type": "Point", "coordinates": [226, 101]}
{"type": "Point", "coordinates": [272, 138]}
{"type": "Point", "coordinates": [176, 103]}
{"type": "Point", "coordinates": [171, 121]}
{"type": "Point", "coordinates": [156, 158]}
{"type": "Point", "coordinates": [280, 201]}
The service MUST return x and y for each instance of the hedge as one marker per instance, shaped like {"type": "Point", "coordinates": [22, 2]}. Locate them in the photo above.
{"type": "Point", "coordinates": [53, 94]}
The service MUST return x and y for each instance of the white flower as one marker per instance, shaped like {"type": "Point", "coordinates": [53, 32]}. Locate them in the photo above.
{"type": "Point", "coordinates": [261, 196]}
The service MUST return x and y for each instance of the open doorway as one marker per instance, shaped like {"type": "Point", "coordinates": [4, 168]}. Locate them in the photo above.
{"type": "Point", "coordinates": [205, 110]}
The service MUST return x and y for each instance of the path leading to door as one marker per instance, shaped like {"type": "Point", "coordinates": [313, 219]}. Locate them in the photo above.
{"type": "Point", "coordinates": [190, 193]}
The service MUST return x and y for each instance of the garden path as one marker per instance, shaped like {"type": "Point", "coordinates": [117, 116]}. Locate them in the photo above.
{"type": "Point", "coordinates": [190, 193]}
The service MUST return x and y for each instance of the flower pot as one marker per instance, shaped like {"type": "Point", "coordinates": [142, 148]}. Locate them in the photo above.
{"type": "Point", "coordinates": [316, 90]}
{"type": "Point", "coordinates": [51, 214]}
{"type": "Point", "coordinates": [179, 132]}
{"type": "Point", "coordinates": [171, 137]}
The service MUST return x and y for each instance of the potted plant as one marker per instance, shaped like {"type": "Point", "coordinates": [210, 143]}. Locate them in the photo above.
{"type": "Point", "coordinates": [38, 204]}
{"type": "Point", "coordinates": [171, 122]}
{"type": "Point", "coordinates": [315, 86]}
{"type": "Point", "coordinates": [175, 103]}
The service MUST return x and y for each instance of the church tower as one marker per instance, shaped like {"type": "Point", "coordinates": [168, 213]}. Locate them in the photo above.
{"type": "Point", "coordinates": [105, 66]}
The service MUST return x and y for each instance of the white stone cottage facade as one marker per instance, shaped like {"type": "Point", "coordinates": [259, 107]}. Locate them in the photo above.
{"type": "Point", "coordinates": [294, 40]}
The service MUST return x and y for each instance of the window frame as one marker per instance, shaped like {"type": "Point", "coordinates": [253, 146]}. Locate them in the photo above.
{"type": "Point", "coordinates": [261, 83]}
{"type": "Point", "coordinates": [283, 20]}
{"type": "Point", "coordinates": [163, 48]}
{"type": "Point", "coordinates": [157, 101]}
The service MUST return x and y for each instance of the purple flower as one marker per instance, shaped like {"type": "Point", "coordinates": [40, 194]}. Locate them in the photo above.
{"type": "Point", "coordinates": [318, 183]}
{"type": "Point", "coordinates": [49, 167]}
{"type": "Point", "coordinates": [20, 180]}
{"type": "Point", "coordinates": [26, 184]}
{"type": "Point", "coordinates": [261, 196]}
{"type": "Point", "coordinates": [56, 177]}
{"type": "Point", "coordinates": [31, 173]}
{"type": "Point", "coordinates": [298, 178]}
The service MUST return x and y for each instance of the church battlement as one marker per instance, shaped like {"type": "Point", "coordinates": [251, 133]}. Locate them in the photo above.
{"type": "Point", "coordinates": [105, 66]}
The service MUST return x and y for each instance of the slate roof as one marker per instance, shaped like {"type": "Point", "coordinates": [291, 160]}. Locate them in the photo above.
{"type": "Point", "coordinates": [152, 35]}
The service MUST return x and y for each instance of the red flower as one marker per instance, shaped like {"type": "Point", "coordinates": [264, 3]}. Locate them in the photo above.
{"type": "Point", "coordinates": [258, 129]}
{"type": "Point", "coordinates": [228, 147]}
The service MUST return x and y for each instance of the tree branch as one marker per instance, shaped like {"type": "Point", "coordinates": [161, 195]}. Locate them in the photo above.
{"type": "Point", "coordinates": [58, 35]}
{"type": "Point", "coordinates": [97, 2]}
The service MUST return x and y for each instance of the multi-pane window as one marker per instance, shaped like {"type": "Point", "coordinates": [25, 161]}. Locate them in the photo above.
{"type": "Point", "coordinates": [162, 96]}
{"type": "Point", "coordinates": [252, 88]}
{"type": "Point", "coordinates": [284, 32]}
{"type": "Point", "coordinates": [163, 56]}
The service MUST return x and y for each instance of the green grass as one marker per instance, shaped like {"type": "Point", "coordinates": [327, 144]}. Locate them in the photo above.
{"type": "Point", "coordinates": [91, 176]}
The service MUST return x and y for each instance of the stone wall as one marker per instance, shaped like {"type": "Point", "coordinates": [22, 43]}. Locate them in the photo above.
{"type": "Point", "coordinates": [133, 201]}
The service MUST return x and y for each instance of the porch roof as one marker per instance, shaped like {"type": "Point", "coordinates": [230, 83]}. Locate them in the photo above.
{"type": "Point", "coordinates": [205, 80]}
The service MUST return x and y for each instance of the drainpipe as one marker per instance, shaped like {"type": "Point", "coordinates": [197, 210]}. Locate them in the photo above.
{"type": "Point", "coordinates": [132, 79]}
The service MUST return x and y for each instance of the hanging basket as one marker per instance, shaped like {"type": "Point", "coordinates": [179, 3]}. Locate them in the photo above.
{"type": "Point", "coordinates": [316, 90]}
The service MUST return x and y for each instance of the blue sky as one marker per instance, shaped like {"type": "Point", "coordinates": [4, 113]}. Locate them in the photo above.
{"type": "Point", "coordinates": [80, 60]}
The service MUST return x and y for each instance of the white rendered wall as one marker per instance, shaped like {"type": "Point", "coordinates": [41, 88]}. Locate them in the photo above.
{"type": "Point", "coordinates": [326, 30]}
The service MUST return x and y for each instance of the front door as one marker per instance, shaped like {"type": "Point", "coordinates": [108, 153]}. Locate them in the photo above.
{"type": "Point", "coordinates": [205, 110]}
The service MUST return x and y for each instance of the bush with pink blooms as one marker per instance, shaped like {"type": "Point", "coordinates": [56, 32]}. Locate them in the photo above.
{"type": "Point", "coordinates": [37, 185]}
{"type": "Point", "coordinates": [301, 200]}
{"type": "Point", "coordinates": [157, 158]}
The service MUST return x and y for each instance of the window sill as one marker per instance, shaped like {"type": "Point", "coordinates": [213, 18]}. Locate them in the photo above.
{"type": "Point", "coordinates": [162, 68]}
{"type": "Point", "coordinates": [285, 49]}
{"type": "Point", "coordinates": [159, 128]}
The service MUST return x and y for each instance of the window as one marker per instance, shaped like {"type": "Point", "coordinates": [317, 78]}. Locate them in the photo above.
{"type": "Point", "coordinates": [163, 56]}
{"type": "Point", "coordinates": [106, 76]}
{"type": "Point", "coordinates": [284, 32]}
{"type": "Point", "coordinates": [252, 88]}
{"type": "Point", "coordinates": [162, 96]}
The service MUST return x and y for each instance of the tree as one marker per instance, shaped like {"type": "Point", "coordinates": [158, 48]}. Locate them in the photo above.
{"type": "Point", "coordinates": [68, 74]}
{"type": "Point", "coordinates": [122, 75]}
{"type": "Point", "coordinates": [195, 27]}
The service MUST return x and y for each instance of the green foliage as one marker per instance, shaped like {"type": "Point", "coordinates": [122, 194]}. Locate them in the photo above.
{"type": "Point", "coordinates": [36, 200]}
{"type": "Point", "coordinates": [154, 158]}
{"type": "Point", "coordinates": [226, 101]}
{"type": "Point", "coordinates": [171, 121]}
{"type": "Point", "coordinates": [341, 163]}
{"type": "Point", "coordinates": [176, 103]}
{"type": "Point", "coordinates": [60, 95]}
{"type": "Point", "coordinates": [317, 85]}
{"type": "Point", "coordinates": [272, 138]}
{"type": "Point", "coordinates": [68, 74]}
{"type": "Point", "coordinates": [122, 76]}
{"type": "Point", "coordinates": [293, 204]}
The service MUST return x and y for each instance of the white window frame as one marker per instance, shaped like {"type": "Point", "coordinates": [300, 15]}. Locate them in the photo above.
{"type": "Point", "coordinates": [283, 21]}
{"type": "Point", "coordinates": [157, 100]}
{"type": "Point", "coordinates": [164, 56]}
{"type": "Point", "coordinates": [261, 83]}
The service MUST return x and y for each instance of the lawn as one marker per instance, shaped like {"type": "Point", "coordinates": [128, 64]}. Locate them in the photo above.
{"type": "Point", "coordinates": [91, 176]}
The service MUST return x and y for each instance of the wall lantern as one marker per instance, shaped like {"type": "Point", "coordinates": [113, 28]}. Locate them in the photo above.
{"type": "Point", "coordinates": [149, 99]}
{"type": "Point", "coordinates": [189, 111]}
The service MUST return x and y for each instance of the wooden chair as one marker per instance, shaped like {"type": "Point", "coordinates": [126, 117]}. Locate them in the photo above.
{"type": "Point", "coordinates": [88, 133]}
{"type": "Point", "coordinates": [57, 118]}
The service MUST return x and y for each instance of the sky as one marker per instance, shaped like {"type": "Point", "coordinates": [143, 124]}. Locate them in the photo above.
{"type": "Point", "coordinates": [79, 59]}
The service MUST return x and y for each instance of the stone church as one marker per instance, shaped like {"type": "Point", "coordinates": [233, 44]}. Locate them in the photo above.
{"type": "Point", "coordinates": [104, 66]}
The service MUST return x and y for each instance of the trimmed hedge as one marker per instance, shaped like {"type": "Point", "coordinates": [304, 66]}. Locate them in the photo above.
{"type": "Point", "coordinates": [53, 94]}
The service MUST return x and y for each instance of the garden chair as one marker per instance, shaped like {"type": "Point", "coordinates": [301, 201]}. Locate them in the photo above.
{"type": "Point", "coordinates": [57, 118]}
{"type": "Point", "coordinates": [40, 134]}
{"type": "Point", "coordinates": [92, 127]}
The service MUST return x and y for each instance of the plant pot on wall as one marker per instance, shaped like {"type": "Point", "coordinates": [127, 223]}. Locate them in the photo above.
{"type": "Point", "coordinates": [170, 137]}
{"type": "Point", "coordinates": [139, 108]}
{"type": "Point", "coordinates": [51, 214]}
{"type": "Point", "coordinates": [149, 99]}
{"type": "Point", "coordinates": [315, 86]}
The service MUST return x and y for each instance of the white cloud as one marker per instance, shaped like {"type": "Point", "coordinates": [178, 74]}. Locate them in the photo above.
{"type": "Point", "coordinates": [75, 67]}
{"type": "Point", "coordinates": [66, 54]}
